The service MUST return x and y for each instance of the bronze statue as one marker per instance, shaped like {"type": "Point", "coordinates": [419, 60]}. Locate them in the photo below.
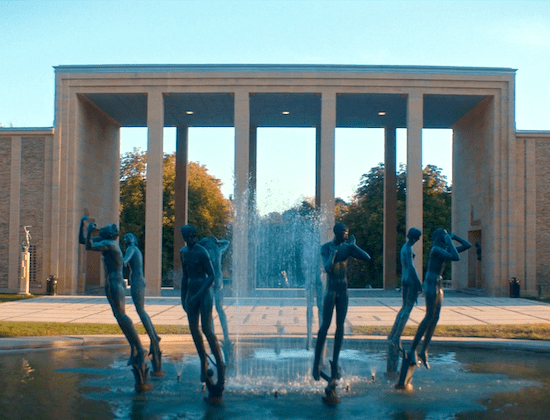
{"type": "Point", "coordinates": [216, 248]}
{"type": "Point", "coordinates": [108, 245]}
{"type": "Point", "coordinates": [196, 299]}
{"type": "Point", "coordinates": [442, 250]}
{"type": "Point", "coordinates": [411, 287]}
{"type": "Point", "coordinates": [133, 258]}
{"type": "Point", "coordinates": [334, 256]}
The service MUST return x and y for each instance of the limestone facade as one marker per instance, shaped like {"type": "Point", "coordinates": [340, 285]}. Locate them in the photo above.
{"type": "Point", "coordinates": [50, 177]}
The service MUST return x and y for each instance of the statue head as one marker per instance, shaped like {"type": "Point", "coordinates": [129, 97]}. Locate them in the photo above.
{"type": "Point", "coordinates": [340, 231]}
{"type": "Point", "coordinates": [439, 237]}
{"type": "Point", "coordinates": [189, 234]}
{"type": "Point", "coordinates": [130, 239]}
{"type": "Point", "coordinates": [108, 232]}
{"type": "Point", "coordinates": [209, 243]}
{"type": "Point", "coordinates": [414, 234]}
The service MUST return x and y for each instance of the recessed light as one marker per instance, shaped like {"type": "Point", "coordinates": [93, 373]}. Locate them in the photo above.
{"type": "Point", "coordinates": [286, 112]}
{"type": "Point", "coordinates": [189, 112]}
{"type": "Point", "coordinates": [381, 113]}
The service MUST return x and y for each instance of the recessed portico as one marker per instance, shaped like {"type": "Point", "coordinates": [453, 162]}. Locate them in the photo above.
{"type": "Point", "coordinates": [93, 102]}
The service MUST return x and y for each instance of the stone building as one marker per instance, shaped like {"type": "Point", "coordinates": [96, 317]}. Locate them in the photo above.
{"type": "Point", "coordinates": [50, 176]}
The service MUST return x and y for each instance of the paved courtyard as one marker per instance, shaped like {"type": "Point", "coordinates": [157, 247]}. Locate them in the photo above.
{"type": "Point", "coordinates": [279, 315]}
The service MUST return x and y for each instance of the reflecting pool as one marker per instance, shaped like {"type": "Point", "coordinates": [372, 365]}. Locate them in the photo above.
{"type": "Point", "coordinates": [273, 382]}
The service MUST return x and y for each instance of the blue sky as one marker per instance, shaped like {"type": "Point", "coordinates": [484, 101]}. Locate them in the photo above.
{"type": "Point", "coordinates": [37, 35]}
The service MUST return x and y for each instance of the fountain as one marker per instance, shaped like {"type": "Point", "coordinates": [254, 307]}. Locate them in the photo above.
{"type": "Point", "coordinates": [271, 377]}
{"type": "Point", "coordinates": [274, 383]}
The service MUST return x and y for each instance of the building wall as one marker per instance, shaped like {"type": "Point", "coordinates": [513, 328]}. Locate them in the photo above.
{"type": "Point", "coordinates": [542, 187]}
{"type": "Point", "coordinates": [97, 192]}
{"type": "Point", "coordinates": [33, 199]}
{"type": "Point", "coordinates": [25, 196]}
{"type": "Point", "coordinates": [473, 189]}
{"type": "Point", "coordinates": [533, 156]}
{"type": "Point", "coordinates": [5, 170]}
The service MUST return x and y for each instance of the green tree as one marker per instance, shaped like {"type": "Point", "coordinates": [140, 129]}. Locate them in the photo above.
{"type": "Point", "coordinates": [208, 208]}
{"type": "Point", "coordinates": [365, 218]}
{"type": "Point", "coordinates": [133, 169]}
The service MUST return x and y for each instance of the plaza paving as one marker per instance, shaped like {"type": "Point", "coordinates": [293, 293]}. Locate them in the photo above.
{"type": "Point", "coordinates": [264, 317]}
{"type": "Point", "coordinates": [281, 315]}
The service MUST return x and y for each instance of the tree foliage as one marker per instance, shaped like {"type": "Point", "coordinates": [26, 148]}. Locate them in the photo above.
{"type": "Point", "coordinates": [365, 219]}
{"type": "Point", "coordinates": [208, 208]}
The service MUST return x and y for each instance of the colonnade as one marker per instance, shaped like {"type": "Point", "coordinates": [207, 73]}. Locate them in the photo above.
{"type": "Point", "coordinates": [245, 179]}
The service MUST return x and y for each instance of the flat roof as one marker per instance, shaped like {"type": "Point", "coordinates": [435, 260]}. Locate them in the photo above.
{"type": "Point", "coordinates": [280, 107]}
{"type": "Point", "coordinates": [291, 68]}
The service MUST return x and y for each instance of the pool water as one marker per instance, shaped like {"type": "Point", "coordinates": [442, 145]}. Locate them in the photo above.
{"type": "Point", "coordinates": [271, 382]}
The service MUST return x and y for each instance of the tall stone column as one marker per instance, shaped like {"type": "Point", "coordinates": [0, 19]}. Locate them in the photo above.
{"type": "Point", "coordinates": [241, 280]}
{"type": "Point", "coordinates": [153, 200]}
{"type": "Point", "coordinates": [415, 122]}
{"type": "Point", "coordinates": [252, 162]}
{"type": "Point", "coordinates": [326, 162]}
{"type": "Point", "coordinates": [181, 196]}
{"type": "Point", "coordinates": [390, 210]}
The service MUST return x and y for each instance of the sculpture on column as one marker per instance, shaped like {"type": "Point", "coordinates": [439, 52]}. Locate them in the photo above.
{"type": "Point", "coordinates": [197, 300]}
{"type": "Point", "coordinates": [108, 245]}
{"type": "Point", "coordinates": [133, 258]}
{"type": "Point", "coordinates": [411, 287]}
{"type": "Point", "coordinates": [216, 248]}
{"type": "Point", "coordinates": [442, 250]}
{"type": "Point", "coordinates": [334, 256]}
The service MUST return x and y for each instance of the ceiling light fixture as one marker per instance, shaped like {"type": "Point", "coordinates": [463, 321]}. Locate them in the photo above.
{"type": "Point", "coordinates": [286, 112]}
{"type": "Point", "coordinates": [189, 112]}
{"type": "Point", "coordinates": [381, 113]}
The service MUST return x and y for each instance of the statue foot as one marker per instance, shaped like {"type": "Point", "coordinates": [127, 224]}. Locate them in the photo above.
{"type": "Point", "coordinates": [335, 371]}
{"type": "Point", "coordinates": [138, 358]}
{"type": "Point", "coordinates": [396, 345]}
{"type": "Point", "coordinates": [423, 356]}
{"type": "Point", "coordinates": [140, 371]}
{"type": "Point", "coordinates": [330, 393]}
{"type": "Point", "coordinates": [316, 373]}
{"type": "Point", "coordinates": [156, 359]}
{"type": "Point", "coordinates": [413, 358]}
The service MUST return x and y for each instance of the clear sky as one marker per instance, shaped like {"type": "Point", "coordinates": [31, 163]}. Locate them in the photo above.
{"type": "Point", "coordinates": [35, 36]}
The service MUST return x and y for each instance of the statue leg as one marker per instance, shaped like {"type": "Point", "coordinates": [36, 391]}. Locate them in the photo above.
{"type": "Point", "coordinates": [207, 327]}
{"type": "Point", "coordinates": [423, 354]}
{"type": "Point", "coordinates": [309, 316]}
{"type": "Point", "coordinates": [328, 309]}
{"type": "Point", "coordinates": [227, 345]}
{"type": "Point", "coordinates": [193, 318]}
{"type": "Point", "coordinates": [116, 297]}
{"type": "Point", "coordinates": [341, 310]}
{"type": "Point", "coordinates": [409, 298]}
{"type": "Point", "coordinates": [154, 348]}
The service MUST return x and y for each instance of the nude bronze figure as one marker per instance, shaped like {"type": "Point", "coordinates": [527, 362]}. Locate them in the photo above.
{"type": "Point", "coordinates": [334, 256]}
{"type": "Point", "coordinates": [411, 287]}
{"type": "Point", "coordinates": [197, 300]}
{"type": "Point", "coordinates": [442, 250]}
{"type": "Point", "coordinates": [108, 245]}
{"type": "Point", "coordinates": [133, 258]}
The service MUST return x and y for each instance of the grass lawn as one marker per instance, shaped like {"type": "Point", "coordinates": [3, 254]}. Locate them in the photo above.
{"type": "Point", "coordinates": [520, 331]}
{"type": "Point", "coordinates": [4, 297]}
{"type": "Point", "coordinates": [33, 329]}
